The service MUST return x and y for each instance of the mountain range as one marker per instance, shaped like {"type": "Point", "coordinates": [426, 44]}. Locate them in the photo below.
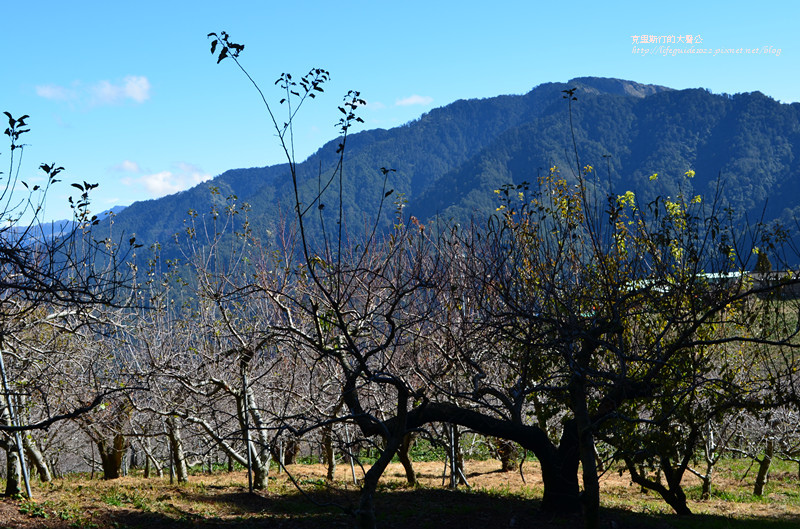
{"type": "Point", "coordinates": [448, 162]}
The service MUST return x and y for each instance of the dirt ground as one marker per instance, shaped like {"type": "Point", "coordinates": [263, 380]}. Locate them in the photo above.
{"type": "Point", "coordinates": [493, 499]}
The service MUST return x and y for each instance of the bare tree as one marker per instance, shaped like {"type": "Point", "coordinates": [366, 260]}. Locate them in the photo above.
{"type": "Point", "coordinates": [52, 278]}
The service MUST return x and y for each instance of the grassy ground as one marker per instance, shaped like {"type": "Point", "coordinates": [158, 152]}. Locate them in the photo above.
{"type": "Point", "coordinates": [495, 499]}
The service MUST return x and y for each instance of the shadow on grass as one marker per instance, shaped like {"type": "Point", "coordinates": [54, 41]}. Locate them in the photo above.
{"type": "Point", "coordinates": [417, 508]}
{"type": "Point", "coordinates": [716, 521]}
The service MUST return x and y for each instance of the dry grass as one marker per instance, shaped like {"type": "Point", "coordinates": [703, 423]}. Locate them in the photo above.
{"type": "Point", "coordinates": [495, 499]}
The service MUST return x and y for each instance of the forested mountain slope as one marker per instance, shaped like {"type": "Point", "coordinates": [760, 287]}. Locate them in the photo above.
{"type": "Point", "coordinates": [450, 160]}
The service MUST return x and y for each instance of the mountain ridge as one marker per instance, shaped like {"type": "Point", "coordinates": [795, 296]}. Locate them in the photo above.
{"type": "Point", "coordinates": [449, 160]}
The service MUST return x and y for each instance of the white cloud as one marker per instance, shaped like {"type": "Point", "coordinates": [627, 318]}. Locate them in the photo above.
{"type": "Point", "coordinates": [182, 176]}
{"type": "Point", "coordinates": [414, 100]}
{"type": "Point", "coordinates": [137, 88]}
{"type": "Point", "coordinates": [58, 93]}
{"type": "Point", "coordinates": [104, 93]}
{"type": "Point", "coordinates": [127, 166]}
{"type": "Point", "coordinates": [375, 105]}
{"type": "Point", "coordinates": [192, 173]}
{"type": "Point", "coordinates": [132, 87]}
{"type": "Point", "coordinates": [161, 183]}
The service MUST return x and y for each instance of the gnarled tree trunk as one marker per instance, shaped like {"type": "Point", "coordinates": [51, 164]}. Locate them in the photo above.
{"type": "Point", "coordinates": [505, 452]}
{"type": "Point", "coordinates": [672, 494]}
{"type": "Point", "coordinates": [405, 458]}
{"type": "Point", "coordinates": [111, 453]}
{"type": "Point", "coordinates": [328, 452]}
{"type": "Point", "coordinates": [586, 451]}
{"type": "Point", "coordinates": [763, 468]}
{"type": "Point", "coordinates": [13, 469]}
{"type": "Point", "coordinates": [37, 459]}
{"type": "Point", "coordinates": [559, 464]}
{"type": "Point", "coordinates": [291, 448]}
{"type": "Point", "coordinates": [176, 448]}
{"type": "Point", "coordinates": [365, 515]}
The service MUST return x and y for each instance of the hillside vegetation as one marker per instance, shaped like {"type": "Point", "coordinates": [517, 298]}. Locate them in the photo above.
{"type": "Point", "coordinates": [450, 160]}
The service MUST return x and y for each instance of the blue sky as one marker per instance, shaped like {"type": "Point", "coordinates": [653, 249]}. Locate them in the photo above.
{"type": "Point", "coordinates": [127, 94]}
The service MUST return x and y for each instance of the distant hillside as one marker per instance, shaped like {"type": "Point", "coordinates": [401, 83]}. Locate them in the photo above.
{"type": "Point", "coordinates": [748, 140]}
{"type": "Point", "coordinates": [58, 228]}
{"type": "Point", "coordinates": [449, 160]}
